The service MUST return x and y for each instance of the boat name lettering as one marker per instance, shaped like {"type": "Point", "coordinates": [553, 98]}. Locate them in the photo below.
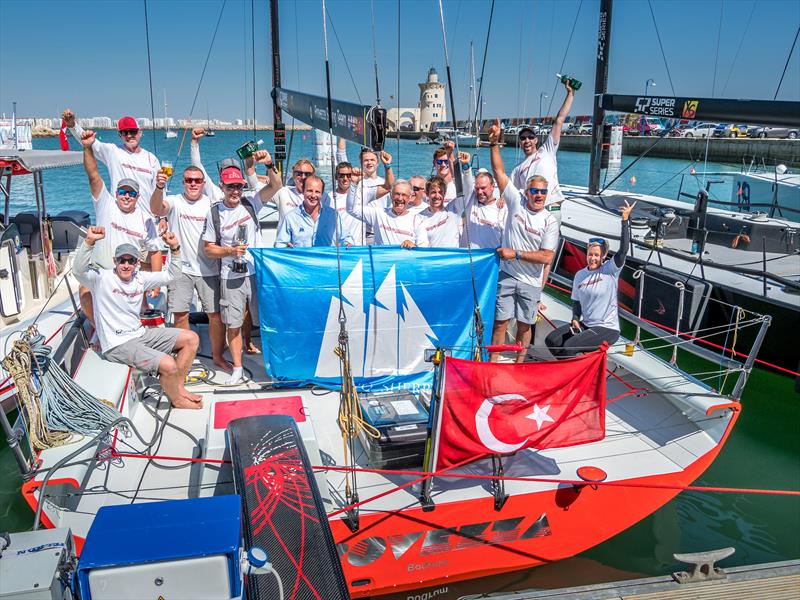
{"type": "Point", "coordinates": [49, 546]}
{"type": "Point", "coordinates": [429, 595]}
{"type": "Point", "coordinates": [426, 565]}
{"type": "Point", "coordinates": [367, 550]}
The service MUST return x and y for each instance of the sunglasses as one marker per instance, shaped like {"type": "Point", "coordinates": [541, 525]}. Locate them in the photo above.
{"type": "Point", "coordinates": [344, 174]}
{"type": "Point", "coordinates": [127, 192]}
{"type": "Point", "coordinates": [127, 260]}
{"type": "Point", "coordinates": [193, 180]}
{"type": "Point", "coordinates": [303, 173]}
{"type": "Point", "coordinates": [417, 188]}
{"type": "Point", "coordinates": [127, 132]}
{"type": "Point", "coordinates": [526, 136]}
{"type": "Point", "coordinates": [534, 191]}
{"type": "Point", "coordinates": [597, 241]}
{"type": "Point", "coordinates": [236, 187]}
{"type": "Point", "coordinates": [442, 161]}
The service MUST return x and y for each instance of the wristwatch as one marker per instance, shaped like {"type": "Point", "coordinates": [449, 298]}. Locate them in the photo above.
{"type": "Point", "coordinates": [518, 255]}
{"type": "Point", "coordinates": [270, 165]}
{"type": "Point", "coordinates": [176, 249]}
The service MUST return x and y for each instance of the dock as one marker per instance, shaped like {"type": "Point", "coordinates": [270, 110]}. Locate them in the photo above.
{"type": "Point", "coordinates": [770, 581]}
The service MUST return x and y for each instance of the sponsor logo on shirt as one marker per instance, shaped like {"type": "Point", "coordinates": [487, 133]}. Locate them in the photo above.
{"type": "Point", "coordinates": [526, 227]}
{"type": "Point", "coordinates": [396, 230]}
{"type": "Point", "coordinates": [476, 218]}
{"type": "Point", "coordinates": [591, 281]}
{"type": "Point", "coordinates": [441, 223]}
{"type": "Point", "coordinates": [137, 234]}
{"type": "Point", "coordinates": [244, 219]}
{"type": "Point", "coordinates": [193, 217]}
{"type": "Point", "coordinates": [135, 168]}
{"type": "Point", "coordinates": [121, 292]}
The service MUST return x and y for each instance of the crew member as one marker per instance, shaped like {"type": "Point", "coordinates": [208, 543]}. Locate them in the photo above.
{"type": "Point", "coordinates": [441, 226]}
{"type": "Point", "coordinates": [529, 241]}
{"type": "Point", "coordinates": [186, 214]}
{"type": "Point", "coordinates": [210, 188]}
{"type": "Point", "coordinates": [344, 179]}
{"type": "Point", "coordinates": [484, 213]}
{"type": "Point", "coordinates": [443, 168]}
{"type": "Point", "coordinates": [117, 296]}
{"type": "Point", "coordinates": [312, 224]}
{"type": "Point", "coordinates": [129, 161]}
{"type": "Point", "coordinates": [394, 225]}
{"type": "Point", "coordinates": [231, 228]}
{"type": "Point", "coordinates": [595, 316]}
{"type": "Point", "coordinates": [418, 202]}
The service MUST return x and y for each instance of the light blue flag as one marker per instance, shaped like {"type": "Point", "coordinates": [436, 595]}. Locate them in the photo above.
{"type": "Point", "coordinates": [397, 304]}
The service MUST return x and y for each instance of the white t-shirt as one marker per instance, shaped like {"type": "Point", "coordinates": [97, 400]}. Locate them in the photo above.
{"type": "Point", "coordinates": [135, 228]}
{"type": "Point", "coordinates": [485, 222]}
{"type": "Point", "coordinates": [141, 166]}
{"type": "Point", "coordinates": [229, 220]}
{"type": "Point", "coordinates": [597, 292]}
{"type": "Point", "coordinates": [450, 193]}
{"type": "Point", "coordinates": [526, 231]}
{"type": "Point", "coordinates": [442, 228]}
{"type": "Point", "coordinates": [418, 208]}
{"type": "Point", "coordinates": [356, 227]}
{"type": "Point", "coordinates": [389, 228]}
{"type": "Point", "coordinates": [117, 303]}
{"type": "Point", "coordinates": [542, 162]}
{"type": "Point", "coordinates": [187, 220]}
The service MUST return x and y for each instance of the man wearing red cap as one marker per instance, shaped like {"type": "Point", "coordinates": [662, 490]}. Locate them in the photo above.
{"type": "Point", "coordinates": [232, 227]}
{"type": "Point", "coordinates": [129, 161]}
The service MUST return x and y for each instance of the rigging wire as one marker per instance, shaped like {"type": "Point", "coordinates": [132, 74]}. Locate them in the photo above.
{"type": "Point", "coordinates": [786, 66]}
{"type": "Point", "coordinates": [253, 60]}
{"type": "Point", "coordinates": [346, 64]}
{"type": "Point", "coordinates": [397, 123]}
{"type": "Point", "coordinates": [638, 158]}
{"type": "Point", "coordinates": [564, 60]}
{"type": "Point", "coordinates": [661, 46]}
{"type": "Point", "coordinates": [741, 43]}
{"type": "Point", "coordinates": [150, 78]}
{"type": "Point", "coordinates": [374, 53]}
{"type": "Point", "coordinates": [483, 65]}
{"type": "Point", "coordinates": [244, 54]}
{"type": "Point", "coordinates": [716, 56]}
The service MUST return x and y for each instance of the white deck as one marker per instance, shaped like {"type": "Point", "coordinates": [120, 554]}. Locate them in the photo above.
{"type": "Point", "coordinates": [646, 436]}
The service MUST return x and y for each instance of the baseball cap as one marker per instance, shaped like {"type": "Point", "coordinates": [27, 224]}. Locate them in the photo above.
{"type": "Point", "coordinates": [227, 162]}
{"type": "Point", "coordinates": [128, 183]}
{"type": "Point", "coordinates": [127, 123]}
{"type": "Point", "coordinates": [126, 250]}
{"type": "Point", "coordinates": [231, 175]}
{"type": "Point", "coordinates": [528, 129]}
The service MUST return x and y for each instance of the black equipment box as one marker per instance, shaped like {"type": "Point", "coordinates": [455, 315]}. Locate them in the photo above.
{"type": "Point", "coordinates": [402, 422]}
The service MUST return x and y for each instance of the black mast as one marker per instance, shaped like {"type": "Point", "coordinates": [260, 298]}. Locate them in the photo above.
{"type": "Point", "coordinates": [600, 85]}
{"type": "Point", "coordinates": [279, 128]}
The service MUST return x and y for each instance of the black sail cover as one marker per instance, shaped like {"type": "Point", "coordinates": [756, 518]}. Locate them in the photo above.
{"type": "Point", "coordinates": [752, 112]}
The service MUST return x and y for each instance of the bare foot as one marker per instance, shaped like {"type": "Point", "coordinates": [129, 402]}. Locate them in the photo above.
{"type": "Point", "coordinates": [223, 364]}
{"type": "Point", "coordinates": [190, 396]}
{"type": "Point", "coordinates": [183, 402]}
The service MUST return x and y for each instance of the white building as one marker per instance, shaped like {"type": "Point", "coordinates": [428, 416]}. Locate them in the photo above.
{"type": "Point", "coordinates": [431, 107]}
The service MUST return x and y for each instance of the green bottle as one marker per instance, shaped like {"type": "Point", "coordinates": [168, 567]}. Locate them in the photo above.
{"type": "Point", "coordinates": [247, 150]}
{"type": "Point", "coordinates": [573, 83]}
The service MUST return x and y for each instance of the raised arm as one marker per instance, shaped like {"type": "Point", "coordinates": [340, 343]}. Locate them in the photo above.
{"type": "Point", "coordinates": [562, 115]}
{"type": "Point", "coordinates": [274, 183]}
{"type": "Point", "coordinates": [210, 188]}
{"type": "Point", "coordinates": [388, 182]}
{"type": "Point", "coordinates": [90, 164]}
{"type": "Point", "coordinates": [358, 203]}
{"type": "Point", "coordinates": [341, 150]}
{"type": "Point", "coordinates": [158, 205]}
{"type": "Point", "coordinates": [157, 279]}
{"type": "Point", "coordinates": [625, 235]}
{"type": "Point", "coordinates": [495, 134]}
{"type": "Point", "coordinates": [83, 257]}
{"type": "Point", "coordinates": [101, 149]}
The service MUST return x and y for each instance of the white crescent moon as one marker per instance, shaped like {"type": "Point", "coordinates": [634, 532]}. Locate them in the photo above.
{"type": "Point", "coordinates": [485, 434]}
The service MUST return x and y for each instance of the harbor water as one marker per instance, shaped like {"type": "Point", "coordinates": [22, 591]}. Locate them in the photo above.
{"type": "Point", "coordinates": [762, 453]}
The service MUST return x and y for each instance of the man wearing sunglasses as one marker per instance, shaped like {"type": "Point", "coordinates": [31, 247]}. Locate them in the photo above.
{"type": "Point", "coordinates": [186, 214]}
{"type": "Point", "coordinates": [117, 296]}
{"type": "Point", "coordinates": [129, 161]}
{"type": "Point", "coordinates": [418, 202]}
{"type": "Point", "coordinates": [210, 188]}
{"type": "Point", "coordinates": [443, 168]}
{"type": "Point", "coordinates": [344, 179]}
{"type": "Point", "coordinates": [287, 198]}
{"type": "Point", "coordinates": [231, 228]}
{"type": "Point", "coordinates": [395, 225]}
{"type": "Point", "coordinates": [529, 242]}
{"type": "Point", "coordinates": [122, 217]}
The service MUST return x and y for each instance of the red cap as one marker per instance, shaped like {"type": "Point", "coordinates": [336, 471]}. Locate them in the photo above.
{"type": "Point", "coordinates": [127, 123]}
{"type": "Point", "coordinates": [232, 175]}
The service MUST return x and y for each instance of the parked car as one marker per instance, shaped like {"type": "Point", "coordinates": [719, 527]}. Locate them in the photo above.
{"type": "Point", "coordinates": [645, 125]}
{"type": "Point", "coordinates": [774, 132]}
{"type": "Point", "coordinates": [569, 129]}
{"type": "Point", "coordinates": [585, 129]}
{"type": "Point", "coordinates": [730, 131]}
{"type": "Point", "coordinates": [701, 130]}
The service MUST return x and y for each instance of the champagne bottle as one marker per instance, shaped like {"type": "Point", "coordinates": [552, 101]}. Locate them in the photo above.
{"type": "Point", "coordinates": [247, 149]}
{"type": "Point", "coordinates": [573, 83]}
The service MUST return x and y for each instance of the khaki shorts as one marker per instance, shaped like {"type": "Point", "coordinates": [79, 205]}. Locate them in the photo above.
{"type": "Point", "coordinates": [237, 294]}
{"type": "Point", "coordinates": [516, 299]}
{"type": "Point", "coordinates": [181, 293]}
{"type": "Point", "coordinates": [146, 351]}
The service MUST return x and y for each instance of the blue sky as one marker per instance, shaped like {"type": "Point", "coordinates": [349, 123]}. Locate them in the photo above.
{"type": "Point", "coordinates": [90, 55]}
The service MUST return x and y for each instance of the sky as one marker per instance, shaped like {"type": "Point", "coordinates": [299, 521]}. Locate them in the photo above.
{"type": "Point", "coordinates": [92, 56]}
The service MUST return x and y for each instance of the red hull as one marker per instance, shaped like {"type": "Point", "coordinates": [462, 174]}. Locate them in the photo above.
{"type": "Point", "coordinates": [409, 549]}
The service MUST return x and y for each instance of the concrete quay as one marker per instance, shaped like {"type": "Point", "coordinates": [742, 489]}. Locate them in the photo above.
{"type": "Point", "coordinates": [723, 150]}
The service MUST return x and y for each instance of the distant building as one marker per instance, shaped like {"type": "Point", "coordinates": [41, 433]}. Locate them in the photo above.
{"type": "Point", "coordinates": [431, 107]}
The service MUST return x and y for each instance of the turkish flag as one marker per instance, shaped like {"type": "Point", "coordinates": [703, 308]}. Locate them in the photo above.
{"type": "Point", "coordinates": [62, 136]}
{"type": "Point", "coordinates": [492, 408]}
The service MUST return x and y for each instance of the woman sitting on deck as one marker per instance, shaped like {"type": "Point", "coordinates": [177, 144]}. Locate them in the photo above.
{"type": "Point", "coordinates": [595, 317]}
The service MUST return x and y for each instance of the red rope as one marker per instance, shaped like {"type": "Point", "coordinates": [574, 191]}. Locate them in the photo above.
{"type": "Point", "coordinates": [213, 461]}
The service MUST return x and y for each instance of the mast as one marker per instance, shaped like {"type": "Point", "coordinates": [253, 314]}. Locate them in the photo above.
{"type": "Point", "coordinates": [471, 85]}
{"type": "Point", "coordinates": [279, 128]}
{"type": "Point", "coordinates": [600, 86]}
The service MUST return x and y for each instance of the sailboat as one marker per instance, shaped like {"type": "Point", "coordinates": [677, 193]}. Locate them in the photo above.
{"type": "Point", "coordinates": [209, 132]}
{"type": "Point", "coordinates": [471, 138]}
{"type": "Point", "coordinates": [168, 134]}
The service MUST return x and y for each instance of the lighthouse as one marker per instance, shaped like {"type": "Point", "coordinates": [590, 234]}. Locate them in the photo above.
{"type": "Point", "coordinates": [431, 101]}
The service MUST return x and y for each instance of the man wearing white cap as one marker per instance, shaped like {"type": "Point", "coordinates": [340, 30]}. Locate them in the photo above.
{"type": "Point", "coordinates": [231, 228]}
{"type": "Point", "coordinates": [117, 296]}
{"type": "Point", "coordinates": [129, 161]}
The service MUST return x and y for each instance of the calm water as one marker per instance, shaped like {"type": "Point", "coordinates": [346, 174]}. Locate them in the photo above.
{"type": "Point", "coordinates": [763, 451]}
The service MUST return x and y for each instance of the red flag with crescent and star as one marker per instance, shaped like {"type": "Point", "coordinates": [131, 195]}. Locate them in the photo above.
{"type": "Point", "coordinates": [492, 408]}
{"type": "Point", "coordinates": [62, 136]}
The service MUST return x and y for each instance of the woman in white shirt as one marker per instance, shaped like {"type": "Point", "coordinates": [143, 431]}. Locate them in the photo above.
{"type": "Point", "coordinates": [595, 316]}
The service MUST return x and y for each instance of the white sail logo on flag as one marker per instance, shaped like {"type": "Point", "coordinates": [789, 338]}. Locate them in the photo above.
{"type": "Point", "coordinates": [384, 339]}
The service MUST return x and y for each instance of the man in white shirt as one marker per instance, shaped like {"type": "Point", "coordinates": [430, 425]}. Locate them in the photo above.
{"type": "Point", "coordinates": [344, 178]}
{"type": "Point", "coordinates": [418, 202]}
{"type": "Point", "coordinates": [529, 242]}
{"type": "Point", "coordinates": [117, 296]}
{"type": "Point", "coordinates": [129, 161]}
{"type": "Point", "coordinates": [484, 214]}
{"type": "Point", "coordinates": [232, 227]}
{"type": "Point", "coordinates": [443, 168]}
{"type": "Point", "coordinates": [210, 188]}
{"type": "Point", "coordinates": [394, 225]}
{"type": "Point", "coordinates": [312, 224]}
{"type": "Point", "coordinates": [442, 227]}
{"type": "Point", "coordinates": [122, 217]}
{"type": "Point", "coordinates": [186, 214]}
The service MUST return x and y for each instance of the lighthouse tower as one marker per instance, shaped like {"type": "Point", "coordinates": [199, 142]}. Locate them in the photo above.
{"type": "Point", "coordinates": [431, 101]}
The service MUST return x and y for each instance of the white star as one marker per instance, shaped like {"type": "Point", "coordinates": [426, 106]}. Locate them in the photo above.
{"type": "Point", "coordinates": [540, 416]}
